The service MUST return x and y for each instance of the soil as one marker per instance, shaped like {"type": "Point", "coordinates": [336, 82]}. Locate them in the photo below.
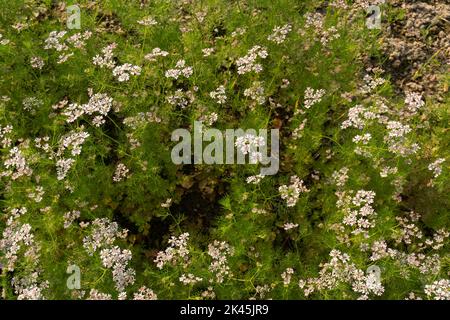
{"type": "Point", "coordinates": [417, 46]}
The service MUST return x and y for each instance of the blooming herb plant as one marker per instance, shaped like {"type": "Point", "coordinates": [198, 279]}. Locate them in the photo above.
{"type": "Point", "coordinates": [87, 180]}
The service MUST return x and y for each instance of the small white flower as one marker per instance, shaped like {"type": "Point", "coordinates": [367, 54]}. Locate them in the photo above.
{"type": "Point", "coordinates": [207, 52]}
{"type": "Point", "coordinates": [179, 70]}
{"type": "Point", "coordinates": [279, 33]}
{"type": "Point", "coordinates": [255, 179]}
{"type": "Point", "coordinates": [219, 95]}
{"type": "Point", "coordinates": [167, 204]}
{"type": "Point", "coordinates": [313, 97]}
{"type": "Point", "coordinates": [147, 21]}
{"type": "Point", "coordinates": [248, 62]}
{"type": "Point", "coordinates": [120, 173]}
{"type": "Point", "coordinates": [37, 62]}
{"type": "Point", "coordinates": [123, 72]}
{"type": "Point", "coordinates": [292, 192]}
{"type": "Point", "coordinates": [289, 225]}
{"type": "Point", "coordinates": [156, 52]}
{"type": "Point", "coordinates": [436, 167]}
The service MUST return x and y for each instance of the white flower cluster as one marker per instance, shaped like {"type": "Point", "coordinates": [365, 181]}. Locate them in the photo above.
{"type": "Point", "coordinates": [63, 166]}
{"type": "Point", "coordinates": [64, 57]}
{"type": "Point", "coordinates": [256, 179]}
{"type": "Point", "coordinates": [55, 41]}
{"type": "Point", "coordinates": [360, 215]}
{"type": "Point", "coordinates": [147, 21]}
{"type": "Point", "coordinates": [219, 95]}
{"type": "Point", "coordinates": [96, 295]}
{"type": "Point", "coordinates": [210, 118]}
{"type": "Point", "coordinates": [248, 63]}
{"type": "Point", "coordinates": [60, 105]}
{"type": "Point", "coordinates": [70, 217]}
{"type": "Point", "coordinates": [145, 293]}
{"type": "Point", "coordinates": [28, 288]}
{"type": "Point", "coordinates": [33, 292]}
{"type": "Point", "coordinates": [120, 173]}
{"type": "Point", "coordinates": [238, 32]}
{"type": "Point", "coordinates": [219, 251]}
{"type": "Point", "coordinates": [354, 118]}
{"type": "Point", "coordinates": [179, 70]}
{"type": "Point", "coordinates": [256, 92]}
{"type": "Point", "coordinates": [396, 139]}
{"type": "Point", "coordinates": [370, 83]}
{"type": "Point", "coordinates": [17, 239]}
{"type": "Point", "coordinates": [31, 104]}
{"type": "Point", "coordinates": [5, 133]}
{"type": "Point", "coordinates": [37, 62]}
{"type": "Point", "coordinates": [315, 23]}
{"type": "Point", "coordinates": [123, 72]}
{"type": "Point", "coordinates": [313, 96]}
{"type": "Point", "coordinates": [15, 236]}
{"type": "Point", "coordinates": [78, 39]}
{"type": "Point", "coordinates": [339, 270]}
{"type": "Point", "coordinates": [167, 203]}
{"type": "Point", "coordinates": [19, 26]}
{"type": "Point", "coordinates": [99, 105]}
{"type": "Point", "coordinates": [72, 141]}
{"type": "Point", "coordinates": [287, 276]}
{"type": "Point", "coordinates": [438, 290]}
{"type": "Point", "coordinates": [363, 139]}
{"type": "Point", "coordinates": [292, 192]}
{"type": "Point", "coordinates": [403, 149]}
{"type": "Point", "coordinates": [103, 234]}
{"type": "Point", "coordinates": [380, 250]}
{"type": "Point", "coordinates": [42, 143]}
{"type": "Point", "coordinates": [285, 83]}
{"type": "Point", "coordinates": [250, 144]}
{"type": "Point", "coordinates": [181, 98]}
{"type": "Point", "coordinates": [314, 20]}
{"type": "Point", "coordinates": [340, 177]}
{"type": "Point", "coordinates": [329, 35]}
{"type": "Point", "coordinates": [37, 194]}
{"type": "Point", "coordinates": [141, 119]}
{"type": "Point", "coordinates": [425, 264]}
{"type": "Point", "coordinates": [397, 130]}
{"type": "Point", "coordinates": [410, 232]}
{"type": "Point", "coordinates": [3, 41]}
{"type": "Point", "coordinates": [413, 102]}
{"type": "Point", "coordinates": [117, 259]}
{"type": "Point", "coordinates": [298, 132]}
{"type": "Point", "coordinates": [289, 225]}
{"type": "Point", "coordinates": [413, 296]}
{"type": "Point", "coordinates": [385, 171]}
{"type": "Point", "coordinates": [436, 167]}
{"type": "Point", "coordinates": [262, 291]}
{"type": "Point", "coordinates": [207, 52]}
{"type": "Point", "coordinates": [156, 52]}
{"type": "Point", "coordinates": [176, 252]}
{"type": "Point", "coordinates": [189, 279]}
{"type": "Point", "coordinates": [209, 293]}
{"type": "Point", "coordinates": [107, 59]}
{"type": "Point", "coordinates": [279, 33]}
{"type": "Point", "coordinates": [339, 4]}
{"type": "Point", "coordinates": [17, 165]}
